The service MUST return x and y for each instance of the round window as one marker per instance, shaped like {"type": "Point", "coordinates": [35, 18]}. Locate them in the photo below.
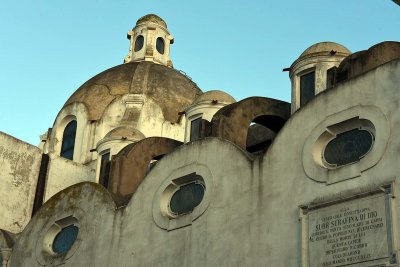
{"type": "Point", "coordinates": [348, 147]}
{"type": "Point", "coordinates": [139, 43]}
{"type": "Point", "coordinates": [187, 198]}
{"type": "Point", "coordinates": [160, 45]}
{"type": "Point", "coordinates": [64, 240]}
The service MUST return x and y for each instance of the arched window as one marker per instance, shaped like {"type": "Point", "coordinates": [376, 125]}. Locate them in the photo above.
{"type": "Point", "coordinates": [139, 43]}
{"type": "Point", "coordinates": [160, 45]}
{"type": "Point", "coordinates": [68, 141]}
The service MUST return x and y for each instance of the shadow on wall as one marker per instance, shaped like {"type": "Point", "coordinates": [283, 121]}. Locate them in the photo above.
{"type": "Point", "coordinates": [130, 166]}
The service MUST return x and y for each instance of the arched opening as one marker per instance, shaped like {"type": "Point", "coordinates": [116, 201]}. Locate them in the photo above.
{"type": "Point", "coordinates": [139, 43]}
{"type": "Point", "coordinates": [262, 130]}
{"type": "Point", "coordinates": [68, 140]}
{"type": "Point", "coordinates": [199, 128]}
{"type": "Point", "coordinates": [160, 45]}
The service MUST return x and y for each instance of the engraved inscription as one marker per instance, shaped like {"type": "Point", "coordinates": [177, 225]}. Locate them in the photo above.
{"type": "Point", "coordinates": [348, 233]}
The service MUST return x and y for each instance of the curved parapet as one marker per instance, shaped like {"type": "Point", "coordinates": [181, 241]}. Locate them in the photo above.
{"type": "Point", "coordinates": [366, 60]}
{"type": "Point", "coordinates": [129, 167]}
{"type": "Point", "coordinates": [232, 122]}
{"type": "Point", "coordinates": [84, 208]}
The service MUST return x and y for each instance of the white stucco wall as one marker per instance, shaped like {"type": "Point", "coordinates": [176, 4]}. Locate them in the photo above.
{"type": "Point", "coordinates": [19, 170]}
{"type": "Point", "coordinates": [251, 218]}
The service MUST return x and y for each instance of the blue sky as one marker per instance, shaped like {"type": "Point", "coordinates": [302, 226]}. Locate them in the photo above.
{"type": "Point", "coordinates": [49, 48]}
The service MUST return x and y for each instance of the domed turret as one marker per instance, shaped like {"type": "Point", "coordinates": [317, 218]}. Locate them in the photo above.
{"type": "Point", "coordinates": [150, 41]}
{"type": "Point", "coordinates": [202, 111]}
{"type": "Point", "coordinates": [308, 73]}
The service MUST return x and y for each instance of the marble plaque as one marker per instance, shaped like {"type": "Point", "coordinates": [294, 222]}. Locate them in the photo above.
{"type": "Point", "coordinates": [348, 233]}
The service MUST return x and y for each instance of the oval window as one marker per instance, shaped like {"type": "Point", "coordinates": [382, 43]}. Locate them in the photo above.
{"type": "Point", "coordinates": [186, 198]}
{"type": "Point", "coordinates": [139, 43]}
{"type": "Point", "coordinates": [65, 239]}
{"type": "Point", "coordinates": [160, 45]}
{"type": "Point", "coordinates": [348, 147]}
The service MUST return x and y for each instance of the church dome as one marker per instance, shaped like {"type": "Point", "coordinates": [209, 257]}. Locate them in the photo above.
{"type": "Point", "coordinates": [325, 48]}
{"type": "Point", "coordinates": [169, 88]}
{"type": "Point", "coordinates": [215, 95]}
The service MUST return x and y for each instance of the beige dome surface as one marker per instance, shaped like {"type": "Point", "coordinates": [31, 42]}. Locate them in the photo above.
{"type": "Point", "coordinates": [125, 132]}
{"type": "Point", "coordinates": [325, 48]}
{"type": "Point", "coordinates": [220, 96]}
{"type": "Point", "coordinates": [169, 88]}
{"type": "Point", "coordinates": [152, 18]}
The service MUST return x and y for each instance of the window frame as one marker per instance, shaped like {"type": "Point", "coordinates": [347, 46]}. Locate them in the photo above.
{"type": "Point", "coordinates": [162, 216]}
{"type": "Point", "coordinates": [316, 140]}
{"type": "Point", "coordinates": [63, 138]}
{"type": "Point", "coordinates": [136, 40]}
{"type": "Point", "coordinates": [299, 76]}
{"type": "Point", "coordinates": [163, 45]}
{"type": "Point", "coordinates": [360, 127]}
{"type": "Point", "coordinates": [194, 179]}
{"type": "Point", "coordinates": [54, 230]}
{"type": "Point", "coordinates": [193, 118]}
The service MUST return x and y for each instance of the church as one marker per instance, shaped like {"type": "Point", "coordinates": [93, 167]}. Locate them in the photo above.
{"type": "Point", "coordinates": [143, 168]}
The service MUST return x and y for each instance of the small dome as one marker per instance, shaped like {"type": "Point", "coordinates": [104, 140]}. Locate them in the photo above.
{"type": "Point", "coordinates": [325, 48]}
{"type": "Point", "coordinates": [152, 18]}
{"type": "Point", "coordinates": [215, 95]}
{"type": "Point", "coordinates": [124, 132]}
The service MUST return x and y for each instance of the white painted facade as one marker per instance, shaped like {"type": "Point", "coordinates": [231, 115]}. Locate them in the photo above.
{"type": "Point", "coordinates": [256, 209]}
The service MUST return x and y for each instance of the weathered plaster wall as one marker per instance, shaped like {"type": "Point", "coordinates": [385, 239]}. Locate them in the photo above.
{"type": "Point", "coordinates": [250, 216]}
{"type": "Point", "coordinates": [285, 185]}
{"type": "Point", "coordinates": [90, 204]}
{"type": "Point", "coordinates": [20, 163]}
{"type": "Point", "coordinates": [63, 173]}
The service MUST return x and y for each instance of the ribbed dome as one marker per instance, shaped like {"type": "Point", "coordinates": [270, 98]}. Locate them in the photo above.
{"type": "Point", "coordinates": [325, 48]}
{"type": "Point", "coordinates": [220, 96]}
{"type": "Point", "coordinates": [170, 89]}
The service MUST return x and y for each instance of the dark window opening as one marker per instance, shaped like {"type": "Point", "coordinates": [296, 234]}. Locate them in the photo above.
{"type": "Point", "coordinates": [187, 197]}
{"type": "Point", "coordinates": [65, 239]}
{"type": "Point", "coordinates": [348, 147]}
{"type": "Point", "coordinates": [68, 141]}
{"type": "Point", "coordinates": [105, 169]}
{"type": "Point", "coordinates": [331, 77]}
{"type": "Point", "coordinates": [160, 45]}
{"type": "Point", "coordinates": [307, 87]}
{"type": "Point", "coordinates": [195, 129]}
{"type": "Point", "coordinates": [139, 43]}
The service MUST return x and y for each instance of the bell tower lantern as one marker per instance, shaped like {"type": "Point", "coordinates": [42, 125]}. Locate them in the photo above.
{"type": "Point", "coordinates": [150, 41]}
